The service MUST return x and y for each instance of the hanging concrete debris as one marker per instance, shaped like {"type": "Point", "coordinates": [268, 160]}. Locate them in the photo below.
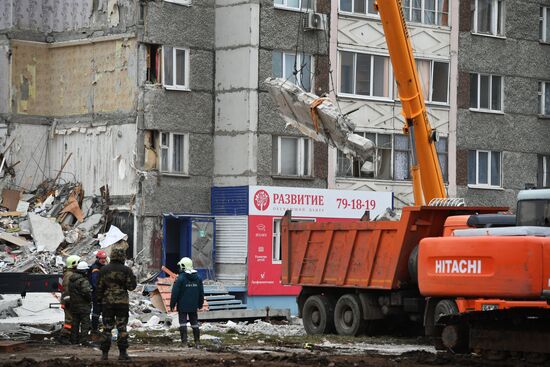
{"type": "Point", "coordinates": [317, 118]}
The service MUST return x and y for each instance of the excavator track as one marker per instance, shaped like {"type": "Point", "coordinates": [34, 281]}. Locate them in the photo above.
{"type": "Point", "coordinates": [522, 334]}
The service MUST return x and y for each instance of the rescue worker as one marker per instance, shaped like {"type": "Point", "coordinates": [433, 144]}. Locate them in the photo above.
{"type": "Point", "coordinates": [93, 276]}
{"type": "Point", "coordinates": [81, 304]}
{"type": "Point", "coordinates": [71, 263]}
{"type": "Point", "coordinates": [115, 280]}
{"type": "Point", "coordinates": [188, 297]}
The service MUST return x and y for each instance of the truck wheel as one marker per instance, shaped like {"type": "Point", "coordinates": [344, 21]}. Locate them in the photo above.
{"type": "Point", "coordinates": [348, 317]}
{"type": "Point", "coordinates": [318, 315]}
{"type": "Point", "coordinates": [453, 337]}
{"type": "Point", "coordinates": [443, 308]}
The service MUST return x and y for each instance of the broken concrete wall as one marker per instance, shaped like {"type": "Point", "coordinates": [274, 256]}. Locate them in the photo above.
{"type": "Point", "coordinates": [519, 133]}
{"type": "Point", "coordinates": [4, 77]}
{"type": "Point", "coordinates": [28, 19]}
{"type": "Point", "coordinates": [279, 31]}
{"type": "Point", "coordinates": [101, 155]}
{"type": "Point", "coordinates": [65, 79]}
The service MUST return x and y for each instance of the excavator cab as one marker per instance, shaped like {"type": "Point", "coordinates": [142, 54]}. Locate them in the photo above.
{"type": "Point", "coordinates": [534, 208]}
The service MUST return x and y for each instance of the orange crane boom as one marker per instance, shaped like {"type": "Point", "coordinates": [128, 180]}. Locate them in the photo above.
{"type": "Point", "coordinates": [425, 170]}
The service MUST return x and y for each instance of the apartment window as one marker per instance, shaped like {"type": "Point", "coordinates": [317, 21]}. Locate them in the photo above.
{"type": "Point", "coordinates": [365, 74]}
{"type": "Point", "coordinates": [486, 92]}
{"type": "Point", "coordinates": [544, 24]}
{"type": "Point", "coordinates": [276, 249]}
{"type": "Point", "coordinates": [433, 12]}
{"type": "Point", "coordinates": [484, 168]}
{"type": "Point", "coordinates": [434, 79]}
{"type": "Point", "coordinates": [295, 68]}
{"type": "Point", "coordinates": [292, 156]}
{"type": "Point", "coordinates": [181, 2]}
{"type": "Point", "coordinates": [358, 6]}
{"type": "Point", "coordinates": [487, 17]}
{"type": "Point", "coordinates": [174, 153]}
{"type": "Point", "coordinates": [544, 98]}
{"type": "Point", "coordinates": [378, 166]}
{"type": "Point", "coordinates": [544, 171]}
{"type": "Point", "coordinates": [295, 4]}
{"type": "Point", "coordinates": [152, 61]}
{"type": "Point", "coordinates": [175, 66]}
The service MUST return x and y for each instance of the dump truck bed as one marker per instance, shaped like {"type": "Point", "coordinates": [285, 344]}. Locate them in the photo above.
{"type": "Point", "coordinates": [362, 254]}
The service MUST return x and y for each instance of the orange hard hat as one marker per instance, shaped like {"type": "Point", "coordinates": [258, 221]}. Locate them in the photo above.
{"type": "Point", "coordinates": [101, 254]}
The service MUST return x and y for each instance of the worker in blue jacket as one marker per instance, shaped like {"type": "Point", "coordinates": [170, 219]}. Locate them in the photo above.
{"type": "Point", "coordinates": [188, 297]}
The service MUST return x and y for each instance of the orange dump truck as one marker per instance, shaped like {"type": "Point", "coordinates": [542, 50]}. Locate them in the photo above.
{"type": "Point", "coordinates": [460, 272]}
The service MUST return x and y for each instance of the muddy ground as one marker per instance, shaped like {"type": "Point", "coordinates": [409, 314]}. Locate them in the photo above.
{"type": "Point", "coordinates": [162, 349]}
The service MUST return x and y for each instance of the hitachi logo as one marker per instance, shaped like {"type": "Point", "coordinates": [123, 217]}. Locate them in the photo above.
{"type": "Point", "coordinates": [458, 266]}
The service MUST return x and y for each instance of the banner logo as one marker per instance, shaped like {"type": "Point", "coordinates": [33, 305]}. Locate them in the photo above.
{"type": "Point", "coordinates": [261, 200]}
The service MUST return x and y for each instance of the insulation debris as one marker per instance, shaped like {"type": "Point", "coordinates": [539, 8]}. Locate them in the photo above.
{"type": "Point", "coordinates": [317, 118]}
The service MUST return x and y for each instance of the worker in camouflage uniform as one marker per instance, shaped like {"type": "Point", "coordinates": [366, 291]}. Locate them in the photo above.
{"type": "Point", "coordinates": [115, 280]}
{"type": "Point", "coordinates": [71, 263]}
{"type": "Point", "coordinates": [81, 304]}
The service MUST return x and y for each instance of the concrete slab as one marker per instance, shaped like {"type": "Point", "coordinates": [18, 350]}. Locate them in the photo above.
{"type": "Point", "coordinates": [328, 125]}
{"type": "Point", "coordinates": [244, 314]}
{"type": "Point", "coordinates": [47, 234]}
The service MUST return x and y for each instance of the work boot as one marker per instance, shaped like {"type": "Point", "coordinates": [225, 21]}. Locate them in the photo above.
{"type": "Point", "coordinates": [123, 355]}
{"type": "Point", "coordinates": [196, 336]}
{"type": "Point", "coordinates": [104, 355]}
{"type": "Point", "coordinates": [183, 334]}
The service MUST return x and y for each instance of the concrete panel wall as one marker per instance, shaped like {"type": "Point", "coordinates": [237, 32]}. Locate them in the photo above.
{"type": "Point", "coordinates": [48, 16]}
{"type": "Point", "coordinates": [520, 134]}
{"type": "Point", "coordinates": [64, 79]}
{"type": "Point", "coordinates": [4, 77]}
{"type": "Point", "coordinates": [236, 121]}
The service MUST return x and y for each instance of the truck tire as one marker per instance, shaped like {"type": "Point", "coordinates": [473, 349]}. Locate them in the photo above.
{"type": "Point", "coordinates": [348, 317]}
{"type": "Point", "coordinates": [318, 315]}
{"type": "Point", "coordinates": [443, 308]}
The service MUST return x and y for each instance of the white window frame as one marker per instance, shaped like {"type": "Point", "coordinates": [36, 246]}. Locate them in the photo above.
{"type": "Point", "coordinates": [544, 12]}
{"type": "Point", "coordinates": [494, 19]}
{"type": "Point", "coordinates": [276, 238]}
{"type": "Point", "coordinates": [175, 86]}
{"type": "Point", "coordinates": [299, 157]}
{"type": "Point", "coordinates": [477, 108]}
{"type": "Point", "coordinates": [301, 6]}
{"type": "Point", "coordinates": [170, 152]}
{"type": "Point", "coordinates": [488, 185]}
{"type": "Point", "coordinates": [389, 98]}
{"type": "Point", "coordinates": [180, 2]}
{"type": "Point", "coordinates": [545, 161]}
{"type": "Point", "coordinates": [408, 17]}
{"type": "Point", "coordinates": [367, 14]}
{"type": "Point", "coordinates": [431, 84]}
{"type": "Point", "coordinates": [298, 62]}
{"type": "Point", "coordinates": [544, 87]}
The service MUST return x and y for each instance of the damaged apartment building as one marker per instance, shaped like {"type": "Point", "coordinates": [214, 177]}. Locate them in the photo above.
{"type": "Point", "coordinates": [160, 101]}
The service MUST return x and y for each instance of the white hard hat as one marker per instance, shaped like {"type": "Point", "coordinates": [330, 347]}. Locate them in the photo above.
{"type": "Point", "coordinates": [83, 265]}
{"type": "Point", "coordinates": [185, 263]}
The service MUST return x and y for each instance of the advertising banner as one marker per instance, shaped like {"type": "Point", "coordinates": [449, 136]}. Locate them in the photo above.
{"type": "Point", "coordinates": [267, 204]}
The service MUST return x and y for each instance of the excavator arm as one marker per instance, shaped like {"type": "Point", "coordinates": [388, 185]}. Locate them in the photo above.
{"type": "Point", "coordinates": [425, 170]}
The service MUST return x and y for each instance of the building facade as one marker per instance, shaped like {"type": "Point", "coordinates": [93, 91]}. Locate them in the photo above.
{"type": "Point", "coordinates": [366, 91]}
{"type": "Point", "coordinates": [503, 99]}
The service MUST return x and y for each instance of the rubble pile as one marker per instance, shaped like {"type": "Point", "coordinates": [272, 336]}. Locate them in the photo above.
{"type": "Point", "coordinates": [39, 229]}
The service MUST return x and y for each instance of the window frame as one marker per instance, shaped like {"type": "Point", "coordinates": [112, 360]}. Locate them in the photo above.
{"type": "Point", "coordinates": [488, 185]}
{"type": "Point", "coordinates": [179, 2]}
{"type": "Point", "coordinates": [494, 20]}
{"type": "Point", "coordinates": [300, 159]}
{"type": "Point", "coordinates": [175, 86]}
{"type": "Point", "coordinates": [543, 172]}
{"type": "Point", "coordinates": [367, 14]}
{"type": "Point", "coordinates": [432, 62]}
{"type": "Point", "coordinates": [422, 14]}
{"type": "Point", "coordinates": [276, 237]}
{"type": "Point", "coordinates": [300, 8]}
{"type": "Point", "coordinates": [298, 62]}
{"type": "Point", "coordinates": [543, 24]}
{"type": "Point", "coordinates": [490, 109]}
{"type": "Point", "coordinates": [544, 87]}
{"type": "Point", "coordinates": [170, 148]}
{"type": "Point", "coordinates": [391, 79]}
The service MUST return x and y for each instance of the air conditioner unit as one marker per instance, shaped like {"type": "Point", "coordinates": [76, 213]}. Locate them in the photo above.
{"type": "Point", "coordinates": [313, 21]}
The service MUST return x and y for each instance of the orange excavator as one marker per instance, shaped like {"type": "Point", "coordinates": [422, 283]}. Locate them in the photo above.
{"type": "Point", "coordinates": [474, 278]}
